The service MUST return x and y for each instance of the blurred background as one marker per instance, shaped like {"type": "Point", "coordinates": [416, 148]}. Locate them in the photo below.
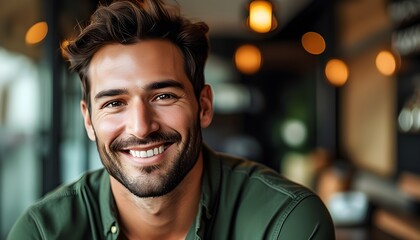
{"type": "Point", "coordinates": [327, 92]}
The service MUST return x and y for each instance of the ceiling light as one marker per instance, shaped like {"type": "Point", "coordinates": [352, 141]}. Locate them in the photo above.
{"type": "Point", "coordinates": [261, 18]}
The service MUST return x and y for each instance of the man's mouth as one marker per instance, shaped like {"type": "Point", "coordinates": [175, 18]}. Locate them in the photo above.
{"type": "Point", "coordinates": [148, 153]}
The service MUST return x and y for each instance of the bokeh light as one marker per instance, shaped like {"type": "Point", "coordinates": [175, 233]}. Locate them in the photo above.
{"type": "Point", "coordinates": [260, 16]}
{"type": "Point", "coordinates": [248, 59]}
{"type": "Point", "coordinates": [386, 63]}
{"type": "Point", "coordinates": [294, 132]}
{"type": "Point", "coordinates": [336, 72]}
{"type": "Point", "coordinates": [36, 33]}
{"type": "Point", "coordinates": [313, 43]}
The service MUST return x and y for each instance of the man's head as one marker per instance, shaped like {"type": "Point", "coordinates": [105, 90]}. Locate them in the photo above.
{"type": "Point", "coordinates": [127, 22]}
{"type": "Point", "coordinates": [145, 100]}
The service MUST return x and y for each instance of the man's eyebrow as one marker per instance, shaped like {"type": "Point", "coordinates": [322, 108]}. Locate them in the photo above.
{"type": "Point", "coordinates": [164, 84]}
{"type": "Point", "coordinates": [110, 93]}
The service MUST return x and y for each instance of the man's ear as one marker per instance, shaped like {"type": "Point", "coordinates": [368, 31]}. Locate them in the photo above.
{"type": "Point", "coordinates": [206, 104]}
{"type": "Point", "coordinates": [87, 121]}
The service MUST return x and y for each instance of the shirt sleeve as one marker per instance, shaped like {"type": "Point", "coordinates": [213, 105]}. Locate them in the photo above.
{"type": "Point", "coordinates": [310, 219]}
{"type": "Point", "coordinates": [24, 228]}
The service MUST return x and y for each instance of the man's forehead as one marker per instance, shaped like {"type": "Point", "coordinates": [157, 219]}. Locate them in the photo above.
{"type": "Point", "coordinates": [149, 57]}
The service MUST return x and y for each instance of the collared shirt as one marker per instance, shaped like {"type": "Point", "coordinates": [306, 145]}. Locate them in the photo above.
{"type": "Point", "coordinates": [240, 200]}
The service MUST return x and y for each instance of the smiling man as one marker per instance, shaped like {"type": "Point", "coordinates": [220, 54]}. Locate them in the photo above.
{"type": "Point", "coordinates": [145, 117]}
{"type": "Point", "coordinates": [144, 104]}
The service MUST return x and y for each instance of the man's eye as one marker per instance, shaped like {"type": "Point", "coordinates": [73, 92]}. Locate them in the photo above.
{"type": "Point", "coordinates": [113, 104]}
{"type": "Point", "coordinates": [165, 96]}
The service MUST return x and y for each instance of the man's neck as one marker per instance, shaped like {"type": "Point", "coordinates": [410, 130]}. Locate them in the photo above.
{"type": "Point", "coordinates": [166, 217]}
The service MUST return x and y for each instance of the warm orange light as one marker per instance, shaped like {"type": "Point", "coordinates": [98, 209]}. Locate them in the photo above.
{"type": "Point", "coordinates": [313, 43]}
{"type": "Point", "coordinates": [36, 33]}
{"type": "Point", "coordinates": [386, 63]}
{"type": "Point", "coordinates": [261, 16]}
{"type": "Point", "coordinates": [248, 59]}
{"type": "Point", "coordinates": [337, 72]}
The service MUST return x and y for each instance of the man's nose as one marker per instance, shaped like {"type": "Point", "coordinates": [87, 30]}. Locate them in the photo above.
{"type": "Point", "coordinates": [141, 120]}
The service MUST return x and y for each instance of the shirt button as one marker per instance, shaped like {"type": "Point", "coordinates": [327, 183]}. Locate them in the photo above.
{"type": "Point", "coordinates": [114, 229]}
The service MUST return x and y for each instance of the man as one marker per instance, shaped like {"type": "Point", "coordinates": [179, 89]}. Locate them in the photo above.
{"type": "Point", "coordinates": [144, 103]}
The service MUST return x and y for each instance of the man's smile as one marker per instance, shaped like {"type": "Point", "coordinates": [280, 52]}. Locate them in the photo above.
{"type": "Point", "coordinates": [147, 153]}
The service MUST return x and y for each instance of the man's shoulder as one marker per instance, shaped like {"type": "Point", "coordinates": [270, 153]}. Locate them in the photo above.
{"type": "Point", "coordinates": [66, 213]}
{"type": "Point", "coordinates": [88, 182]}
{"type": "Point", "coordinates": [69, 199]}
{"type": "Point", "coordinates": [258, 177]}
{"type": "Point", "coordinates": [262, 202]}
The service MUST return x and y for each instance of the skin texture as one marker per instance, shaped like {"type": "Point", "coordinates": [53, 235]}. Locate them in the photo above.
{"type": "Point", "coordinates": [142, 100]}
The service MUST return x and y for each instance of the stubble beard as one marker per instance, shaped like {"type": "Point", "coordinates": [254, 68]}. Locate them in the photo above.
{"type": "Point", "coordinates": [151, 184]}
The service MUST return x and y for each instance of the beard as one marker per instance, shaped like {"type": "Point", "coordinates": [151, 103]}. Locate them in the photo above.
{"type": "Point", "coordinates": [156, 180]}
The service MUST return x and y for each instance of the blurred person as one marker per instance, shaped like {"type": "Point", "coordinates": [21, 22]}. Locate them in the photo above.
{"type": "Point", "coordinates": [144, 103]}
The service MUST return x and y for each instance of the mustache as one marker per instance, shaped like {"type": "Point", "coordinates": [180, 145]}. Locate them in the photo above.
{"type": "Point", "coordinates": [118, 144]}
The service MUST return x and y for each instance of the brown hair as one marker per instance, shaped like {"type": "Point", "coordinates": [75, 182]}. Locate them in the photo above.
{"type": "Point", "coordinates": [127, 22]}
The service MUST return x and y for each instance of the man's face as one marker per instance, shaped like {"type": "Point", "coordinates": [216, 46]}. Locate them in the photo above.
{"type": "Point", "coordinates": [145, 118]}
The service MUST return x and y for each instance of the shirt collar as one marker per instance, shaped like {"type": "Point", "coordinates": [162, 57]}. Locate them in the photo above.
{"type": "Point", "coordinates": [210, 181]}
{"type": "Point", "coordinates": [210, 189]}
{"type": "Point", "coordinates": [107, 204]}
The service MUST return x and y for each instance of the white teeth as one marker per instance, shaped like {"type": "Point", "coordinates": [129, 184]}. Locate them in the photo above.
{"type": "Point", "coordinates": [148, 153]}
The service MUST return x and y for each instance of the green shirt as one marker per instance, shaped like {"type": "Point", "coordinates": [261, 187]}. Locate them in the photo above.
{"type": "Point", "coordinates": [240, 200]}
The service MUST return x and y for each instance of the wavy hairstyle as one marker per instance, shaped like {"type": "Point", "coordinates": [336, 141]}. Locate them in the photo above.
{"type": "Point", "coordinates": [130, 21]}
